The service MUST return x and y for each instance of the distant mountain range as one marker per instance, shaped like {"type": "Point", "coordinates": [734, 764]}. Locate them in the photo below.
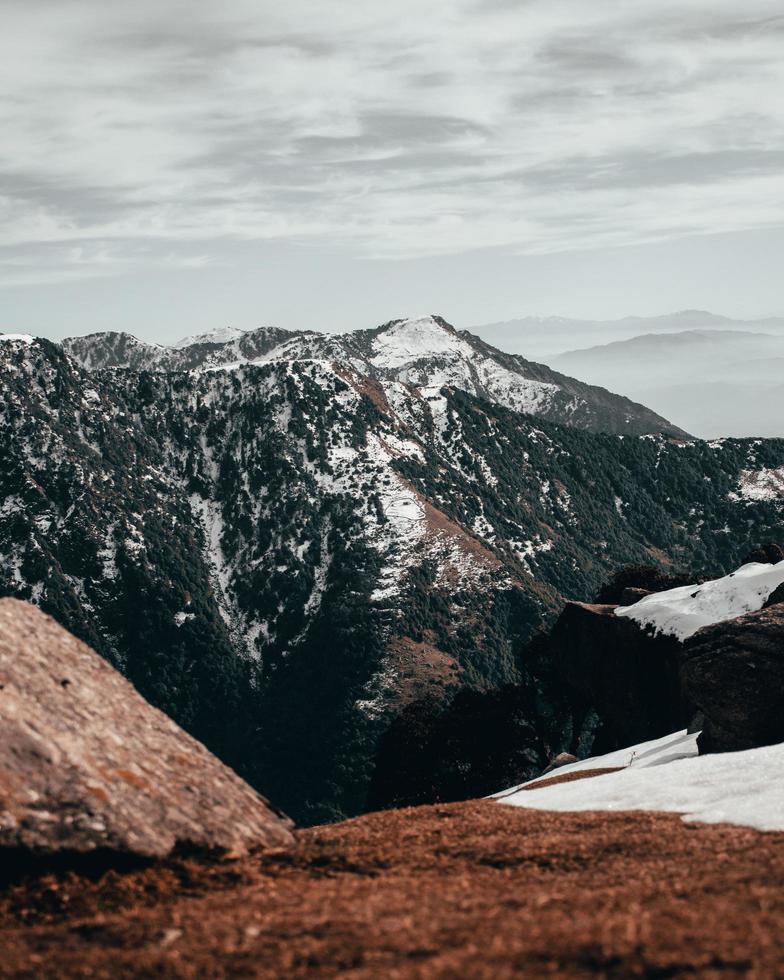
{"type": "Point", "coordinates": [716, 382]}
{"type": "Point", "coordinates": [545, 337]}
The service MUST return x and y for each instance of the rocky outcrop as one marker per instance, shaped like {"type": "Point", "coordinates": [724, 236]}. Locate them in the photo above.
{"type": "Point", "coordinates": [633, 582]}
{"type": "Point", "coordinates": [562, 759]}
{"type": "Point", "coordinates": [776, 596]}
{"type": "Point", "coordinates": [631, 678]}
{"type": "Point", "coordinates": [87, 766]}
{"type": "Point", "coordinates": [725, 680]}
{"type": "Point", "coordinates": [734, 674]}
{"type": "Point", "coordinates": [766, 554]}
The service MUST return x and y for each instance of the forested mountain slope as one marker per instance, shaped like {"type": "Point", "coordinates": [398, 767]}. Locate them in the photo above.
{"type": "Point", "coordinates": [283, 555]}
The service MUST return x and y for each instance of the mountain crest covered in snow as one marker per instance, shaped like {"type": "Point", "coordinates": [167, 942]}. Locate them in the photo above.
{"type": "Point", "coordinates": [424, 353]}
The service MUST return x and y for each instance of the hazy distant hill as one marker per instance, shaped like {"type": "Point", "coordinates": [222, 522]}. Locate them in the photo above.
{"type": "Point", "coordinates": [545, 337]}
{"type": "Point", "coordinates": [717, 382]}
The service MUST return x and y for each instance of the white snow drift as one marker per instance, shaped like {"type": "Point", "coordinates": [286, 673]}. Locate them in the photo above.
{"type": "Point", "coordinates": [681, 612]}
{"type": "Point", "coordinates": [666, 775]}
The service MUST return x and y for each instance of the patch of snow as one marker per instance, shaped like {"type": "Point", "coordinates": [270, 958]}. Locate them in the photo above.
{"type": "Point", "coordinates": [222, 335]}
{"type": "Point", "coordinates": [413, 339]}
{"type": "Point", "coordinates": [760, 485]}
{"type": "Point", "coordinates": [680, 745]}
{"type": "Point", "coordinates": [666, 776]}
{"type": "Point", "coordinates": [483, 528]}
{"type": "Point", "coordinates": [183, 617]}
{"type": "Point", "coordinates": [22, 338]}
{"type": "Point", "coordinates": [681, 612]}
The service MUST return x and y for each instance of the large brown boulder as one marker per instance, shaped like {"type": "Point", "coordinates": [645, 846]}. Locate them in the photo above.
{"type": "Point", "coordinates": [631, 678]}
{"type": "Point", "coordinates": [734, 674]}
{"type": "Point", "coordinates": [87, 765]}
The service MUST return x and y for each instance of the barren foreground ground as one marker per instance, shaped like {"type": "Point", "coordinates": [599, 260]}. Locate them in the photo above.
{"type": "Point", "coordinates": [463, 890]}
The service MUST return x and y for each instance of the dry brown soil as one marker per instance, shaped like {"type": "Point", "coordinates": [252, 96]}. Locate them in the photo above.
{"type": "Point", "coordinates": [474, 890]}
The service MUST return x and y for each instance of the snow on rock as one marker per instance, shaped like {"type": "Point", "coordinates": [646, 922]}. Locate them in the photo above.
{"type": "Point", "coordinates": [760, 485]}
{"type": "Point", "coordinates": [667, 776]}
{"type": "Point", "coordinates": [413, 339]}
{"type": "Point", "coordinates": [22, 338]}
{"type": "Point", "coordinates": [681, 612]}
{"type": "Point", "coordinates": [222, 335]}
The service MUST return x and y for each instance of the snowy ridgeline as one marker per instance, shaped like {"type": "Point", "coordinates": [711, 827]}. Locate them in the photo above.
{"type": "Point", "coordinates": [681, 612]}
{"type": "Point", "coordinates": [423, 352]}
{"type": "Point", "coordinates": [667, 775]}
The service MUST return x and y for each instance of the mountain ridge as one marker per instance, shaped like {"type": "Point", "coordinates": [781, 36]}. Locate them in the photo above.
{"type": "Point", "coordinates": [425, 352]}
{"type": "Point", "coordinates": [545, 338]}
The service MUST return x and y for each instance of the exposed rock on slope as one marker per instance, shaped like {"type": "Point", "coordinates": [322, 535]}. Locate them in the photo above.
{"type": "Point", "coordinates": [709, 654]}
{"type": "Point", "coordinates": [87, 765]}
{"type": "Point", "coordinates": [734, 673]}
{"type": "Point", "coordinates": [629, 677]}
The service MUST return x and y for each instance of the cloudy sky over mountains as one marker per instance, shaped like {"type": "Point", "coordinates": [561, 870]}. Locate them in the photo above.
{"type": "Point", "coordinates": [329, 159]}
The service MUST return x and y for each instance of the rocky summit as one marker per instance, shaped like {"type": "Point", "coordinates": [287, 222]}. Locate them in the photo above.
{"type": "Point", "coordinates": [88, 767]}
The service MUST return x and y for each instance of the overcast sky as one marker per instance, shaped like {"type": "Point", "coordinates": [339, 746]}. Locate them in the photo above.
{"type": "Point", "coordinates": [170, 166]}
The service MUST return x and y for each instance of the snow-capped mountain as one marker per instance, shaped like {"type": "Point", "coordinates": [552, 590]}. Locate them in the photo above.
{"type": "Point", "coordinates": [123, 350]}
{"type": "Point", "coordinates": [222, 335]}
{"type": "Point", "coordinates": [285, 553]}
{"type": "Point", "coordinates": [425, 353]}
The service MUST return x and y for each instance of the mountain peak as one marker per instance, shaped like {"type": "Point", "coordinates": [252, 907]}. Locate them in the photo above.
{"type": "Point", "coordinates": [221, 335]}
{"type": "Point", "coordinates": [403, 341]}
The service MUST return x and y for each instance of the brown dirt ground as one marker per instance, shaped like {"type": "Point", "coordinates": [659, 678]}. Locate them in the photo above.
{"type": "Point", "coordinates": [466, 890]}
{"type": "Point", "coordinates": [571, 777]}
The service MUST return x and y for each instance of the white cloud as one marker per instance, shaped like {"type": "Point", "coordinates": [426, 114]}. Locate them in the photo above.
{"type": "Point", "coordinates": [385, 130]}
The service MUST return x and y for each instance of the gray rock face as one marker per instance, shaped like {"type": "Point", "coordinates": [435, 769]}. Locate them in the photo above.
{"type": "Point", "coordinates": [734, 673]}
{"type": "Point", "coordinates": [87, 765]}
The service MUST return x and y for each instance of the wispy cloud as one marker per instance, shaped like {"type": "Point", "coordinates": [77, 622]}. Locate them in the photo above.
{"type": "Point", "coordinates": [140, 133]}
